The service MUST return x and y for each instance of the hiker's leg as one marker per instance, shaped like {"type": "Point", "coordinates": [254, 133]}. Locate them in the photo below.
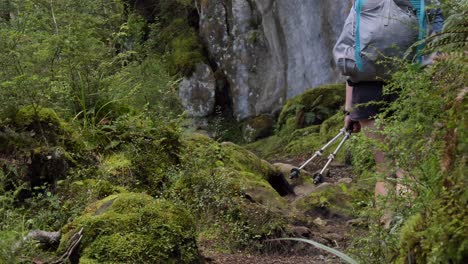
{"type": "Point", "coordinates": [381, 187]}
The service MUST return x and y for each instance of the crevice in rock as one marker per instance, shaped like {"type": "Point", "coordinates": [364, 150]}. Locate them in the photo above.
{"type": "Point", "coordinates": [280, 184]}
{"type": "Point", "coordinates": [226, 18]}
{"type": "Point", "coordinates": [193, 19]}
{"type": "Point", "coordinates": [223, 98]}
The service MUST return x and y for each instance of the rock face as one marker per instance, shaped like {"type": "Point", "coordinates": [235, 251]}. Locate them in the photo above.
{"type": "Point", "coordinates": [197, 93]}
{"type": "Point", "coordinates": [271, 50]}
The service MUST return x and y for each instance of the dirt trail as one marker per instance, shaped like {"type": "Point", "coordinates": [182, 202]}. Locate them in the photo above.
{"type": "Point", "coordinates": [329, 229]}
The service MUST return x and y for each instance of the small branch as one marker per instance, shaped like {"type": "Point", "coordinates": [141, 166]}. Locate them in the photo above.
{"type": "Point", "coordinates": [48, 239]}
{"type": "Point", "coordinates": [53, 17]}
{"type": "Point", "coordinates": [74, 242]}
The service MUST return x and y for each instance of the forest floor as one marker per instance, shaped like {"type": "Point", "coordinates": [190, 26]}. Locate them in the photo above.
{"type": "Point", "coordinates": [332, 230]}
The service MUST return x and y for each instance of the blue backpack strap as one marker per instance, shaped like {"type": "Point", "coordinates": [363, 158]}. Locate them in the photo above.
{"type": "Point", "coordinates": [420, 7]}
{"type": "Point", "coordinates": [357, 50]}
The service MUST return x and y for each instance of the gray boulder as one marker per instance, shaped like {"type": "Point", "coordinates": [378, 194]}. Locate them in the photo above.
{"type": "Point", "coordinates": [271, 50]}
{"type": "Point", "coordinates": [197, 93]}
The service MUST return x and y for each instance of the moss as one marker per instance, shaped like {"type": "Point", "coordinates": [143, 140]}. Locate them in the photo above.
{"type": "Point", "coordinates": [410, 237]}
{"type": "Point", "coordinates": [268, 148]}
{"type": "Point", "coordinates": [130, 226]}
{"type": "Point", "coordinates": [186, 53]}
{"type": "Point", "coordinates": [241, 159]}
{"type": "Point", "coordinates": [310, 108]}
{"type": "Point", "coordinates": [28, 115]}
{"type": "Point", "coordinates": [116, 165]}
{"type": "Point", "coordinates": [227, 186]}
{"type": "Point", "coordinates": [258, 127]}
{"type": "Point", "coordinates": [327, 200]}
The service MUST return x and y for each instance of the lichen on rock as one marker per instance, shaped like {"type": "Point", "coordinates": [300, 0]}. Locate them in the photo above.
{"type": "Point", "coordinates": [197, 92]}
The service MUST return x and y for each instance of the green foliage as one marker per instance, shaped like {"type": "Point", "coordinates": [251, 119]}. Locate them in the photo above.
{"type": "Point", "coordinates": [335, 252]}
{"type": "Point", "coordinates": [142, 85]}
{"type": "Point", "coordinates": [311, 108]}
{"type": "Point", "coordinates": [454, 35]}
{"type": "Point", "coordinates": [51, 52]}
{"type": "Point", "coordinates": [186, 53]}
{"type": "Point", "coordinates": [424, 137]}
{"type": "Point", "coordinates": [174, 37]}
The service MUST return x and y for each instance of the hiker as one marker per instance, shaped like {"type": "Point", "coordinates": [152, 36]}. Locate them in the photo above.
{"type": "Point", "coordinates": [360, 112]}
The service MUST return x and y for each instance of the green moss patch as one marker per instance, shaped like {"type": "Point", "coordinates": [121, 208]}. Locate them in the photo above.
{"type": "Point", "coordinates": [131, 227]}
{"type": "Point", "coordinates": [311, 108]}
{"type": "Point", "coordinates": [305, 124]}
{"type": "Point", "coordinates": [228, 187]}
{"type": "Point", "coordinates": [327, 201]}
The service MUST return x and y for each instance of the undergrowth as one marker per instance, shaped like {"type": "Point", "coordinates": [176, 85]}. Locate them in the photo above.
{"type": "Point", "coordinates": [425, 137]}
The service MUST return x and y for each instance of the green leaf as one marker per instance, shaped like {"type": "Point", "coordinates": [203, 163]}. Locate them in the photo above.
{"type": "Point", "coordinates": [335, 252]}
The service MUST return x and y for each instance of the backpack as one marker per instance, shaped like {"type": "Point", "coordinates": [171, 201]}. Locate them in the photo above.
{"type": "Point", "coordinates": [373, 31]}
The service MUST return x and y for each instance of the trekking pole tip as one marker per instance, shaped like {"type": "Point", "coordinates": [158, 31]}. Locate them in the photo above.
{"type": "Point", "coordinates": [317, 178]}
{"type": "Point", "coordinates": [294, 173]}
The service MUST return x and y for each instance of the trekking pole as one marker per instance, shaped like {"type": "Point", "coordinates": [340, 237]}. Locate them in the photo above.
{"type": "Point", "coordinates": [295, 172]}
{"type": "Point", "coordinates": [319, 175]}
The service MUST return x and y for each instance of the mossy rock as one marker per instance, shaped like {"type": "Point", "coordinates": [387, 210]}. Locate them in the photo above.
{"type": "Point", "coordinates": [302, 141]}
{"type": "Point", "coordinates": [34, 125]}
{"type": "Point", "coordinates": [292, 138]}
{"type": "Point", "coordinates": [135, 228]}
{"type": "Point", "coordinates": [327, 200]}
{"type": "Point", "coordinates": [27, 115]}
{"type": "Point", "coordinates": [241, 159]}
{"type": "Point", "coordinates": [246, 170]}
{"type": "Point", "coordinates": [229, 187]}
{"type": "Point", "coordinates": [43, 121]}
{"type": "Point", "coordinates": [258, 127]}
{"type": "Point", "coordinates": [311, 108]}
{"type": "Point", "coordinates": [142, 154]}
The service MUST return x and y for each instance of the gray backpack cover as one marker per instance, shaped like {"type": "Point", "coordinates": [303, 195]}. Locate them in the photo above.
{"type": "Point", "coordinates": [386, 31]}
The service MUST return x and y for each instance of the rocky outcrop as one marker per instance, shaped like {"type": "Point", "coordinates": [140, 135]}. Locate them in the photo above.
{"type": "Point", "coordinates": [271, 50]}
{"type": "Point", "coordinates": [197, 93]}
